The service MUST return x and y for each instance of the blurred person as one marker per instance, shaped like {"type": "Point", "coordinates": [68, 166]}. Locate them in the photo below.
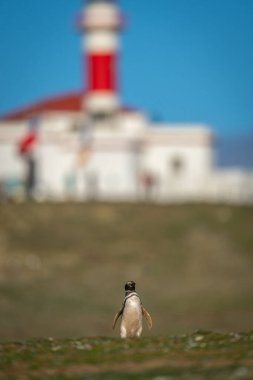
{"type": "Point", "coordinates": [27, 152]}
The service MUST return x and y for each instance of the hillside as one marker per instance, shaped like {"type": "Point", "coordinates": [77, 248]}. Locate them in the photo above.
{"type": "Point", "coordinates": [63, 267]}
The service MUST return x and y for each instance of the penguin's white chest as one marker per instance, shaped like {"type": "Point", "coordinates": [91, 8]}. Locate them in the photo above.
{"type": "Point", "coordinates": [131, 323]}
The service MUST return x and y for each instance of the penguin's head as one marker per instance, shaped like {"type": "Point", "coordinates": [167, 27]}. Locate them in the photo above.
{"type": "Point", "coordinates": [130, 286]}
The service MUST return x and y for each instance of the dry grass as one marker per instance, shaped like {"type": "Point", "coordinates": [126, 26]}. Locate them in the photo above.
{"type": "Point", "coordinates": [63, 266]}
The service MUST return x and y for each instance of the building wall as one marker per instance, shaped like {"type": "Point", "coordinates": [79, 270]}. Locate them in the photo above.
{"type": "Point", "coordinates": [127, 159]}
{"type": "Point", "coordinates": [180, 159]}
{"type": "Point", "coordinates": [115, 173]}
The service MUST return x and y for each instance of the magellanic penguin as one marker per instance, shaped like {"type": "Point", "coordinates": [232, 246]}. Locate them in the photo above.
{"type": "Point", "coordinates": [131, 313]}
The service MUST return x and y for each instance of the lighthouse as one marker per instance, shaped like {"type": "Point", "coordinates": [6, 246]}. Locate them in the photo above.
{"type": "Point", "coordinates": [91, 146]}
{"type": "Point", "coordinates": [100, 24]}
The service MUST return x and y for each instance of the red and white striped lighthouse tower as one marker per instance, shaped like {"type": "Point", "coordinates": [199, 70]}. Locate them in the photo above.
{"type": "Point", "coordinates": [101, 21]}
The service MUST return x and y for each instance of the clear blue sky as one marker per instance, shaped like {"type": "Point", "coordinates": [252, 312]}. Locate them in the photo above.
{"type": "Point", "coordinates": [181, 60]}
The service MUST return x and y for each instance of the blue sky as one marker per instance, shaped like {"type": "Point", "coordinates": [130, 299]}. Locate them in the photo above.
{"type": "Point", "coordinates": [180, 61]}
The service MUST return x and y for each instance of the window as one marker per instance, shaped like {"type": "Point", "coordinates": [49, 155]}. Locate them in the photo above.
{"type": "Point", "coordinates": [177, 165]}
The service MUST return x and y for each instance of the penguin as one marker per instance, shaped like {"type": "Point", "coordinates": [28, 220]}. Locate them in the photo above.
{"type": "Point", "coordinates": [131, 312]}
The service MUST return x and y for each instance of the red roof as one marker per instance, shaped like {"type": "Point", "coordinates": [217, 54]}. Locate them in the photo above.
{"type": "Point", "coordinates": [67, 102]}
{"type": "Point", "coordinates": [72, 101]}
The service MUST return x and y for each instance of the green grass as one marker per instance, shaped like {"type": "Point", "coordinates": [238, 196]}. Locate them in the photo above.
{"type": "Point", "coordinates": [201, 355]}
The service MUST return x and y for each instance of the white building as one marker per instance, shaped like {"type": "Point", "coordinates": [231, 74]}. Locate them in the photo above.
{"type": "Point", "coordinates": [87, 145]}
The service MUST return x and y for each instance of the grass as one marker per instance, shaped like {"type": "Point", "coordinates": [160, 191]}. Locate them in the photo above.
{"type": "Point", "coordinates": [62, 271]}
{"type": "Point", "coordinates": [63, 267]}
{"type": "Point", "coordinates": [201, 355]}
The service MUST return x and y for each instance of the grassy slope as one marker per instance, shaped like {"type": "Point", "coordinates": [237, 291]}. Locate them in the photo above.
{"type": "Point", "coordinates": [62, 267]}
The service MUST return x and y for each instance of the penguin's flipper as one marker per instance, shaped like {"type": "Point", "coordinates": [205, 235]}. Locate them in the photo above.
{"type": "Point", "coordinates": [119, 313]}
{"type": "Point", "coordinates": [147, 317]}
